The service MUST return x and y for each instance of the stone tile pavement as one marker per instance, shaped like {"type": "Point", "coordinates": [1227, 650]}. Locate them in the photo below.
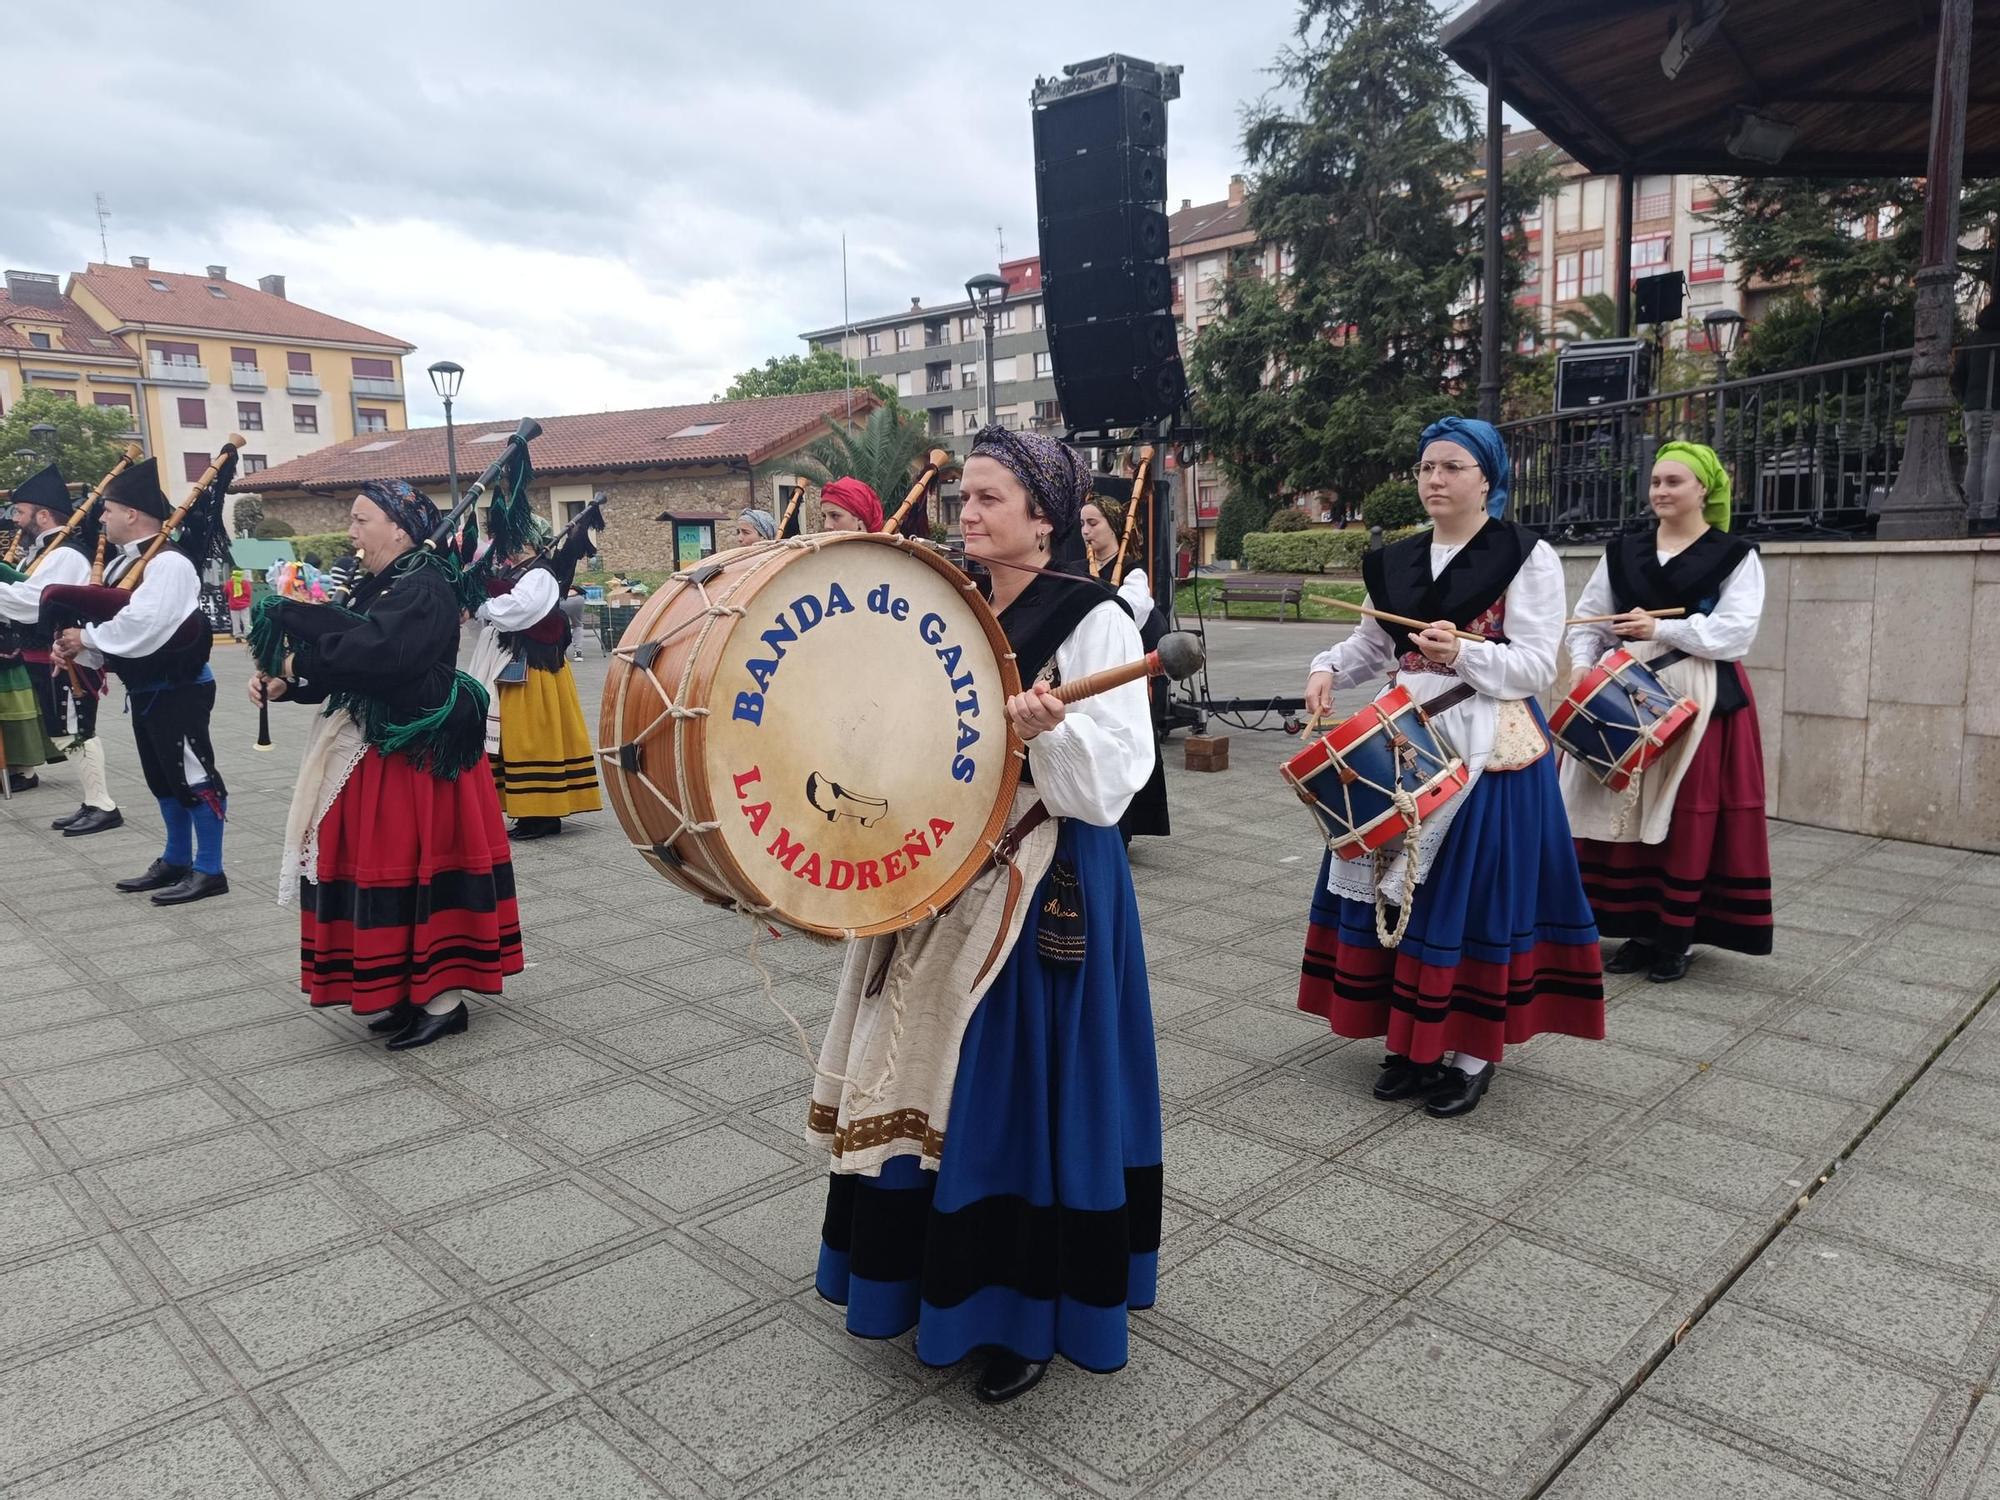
{"type": "Point", "coordinates": [244, 1252]}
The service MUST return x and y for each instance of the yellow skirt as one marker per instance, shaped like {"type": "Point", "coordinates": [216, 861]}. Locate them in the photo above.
{"type": "Point", "coordinates": [544, 768]}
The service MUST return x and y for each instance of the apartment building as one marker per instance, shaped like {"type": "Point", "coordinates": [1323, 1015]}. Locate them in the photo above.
{"type": "Point", "coordinates": [194, 358]}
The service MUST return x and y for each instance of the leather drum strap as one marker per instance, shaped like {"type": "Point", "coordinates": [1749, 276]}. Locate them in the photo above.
{"type": "Point", "coordinates": [1009, 845]}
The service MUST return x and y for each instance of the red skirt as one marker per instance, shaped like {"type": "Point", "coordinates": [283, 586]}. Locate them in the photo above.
{"type": "Point", "coordinates": [414, 893]}
{"type": "Point", "coordinates": [1710, 881]}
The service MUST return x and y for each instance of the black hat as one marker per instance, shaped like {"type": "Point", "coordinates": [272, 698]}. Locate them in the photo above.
{"type": "Point", "coordinates": [139, 487]}
{"type": "Point", "coordinates": [45, 489]}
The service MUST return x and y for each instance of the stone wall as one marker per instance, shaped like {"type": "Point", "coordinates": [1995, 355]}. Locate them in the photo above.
{"type": "Point", "coordinates": [1877, 678]}
{"type": "Point", "coordinates": [310, 515]}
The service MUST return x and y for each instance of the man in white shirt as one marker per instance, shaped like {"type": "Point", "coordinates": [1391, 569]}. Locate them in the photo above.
{"type": "Point", "coordinates": [168, 685]}
{"type": "Point", "coordinates": [42, 507]}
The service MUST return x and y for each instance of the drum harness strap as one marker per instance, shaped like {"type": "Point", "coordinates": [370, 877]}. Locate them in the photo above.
{"type": "Point", "coordinates": [1628, 800]}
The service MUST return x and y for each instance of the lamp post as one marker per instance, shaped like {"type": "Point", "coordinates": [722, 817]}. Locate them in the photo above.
{"type": "Point", "coordinates": [1722, 324]}
{"type": "Point", "coordinates": [988, 294]}
{"type": "Point", "coordinates": [44, 434]}
{"type": "Point", "coordinates": [445, 376]}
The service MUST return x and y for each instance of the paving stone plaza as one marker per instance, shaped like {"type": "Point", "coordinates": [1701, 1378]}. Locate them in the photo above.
{"type": "Point", "coordinates": [244, 1252]}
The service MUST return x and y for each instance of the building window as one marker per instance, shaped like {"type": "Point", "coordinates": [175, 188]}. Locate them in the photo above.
{"type": "Point", "coordinates": [1593, 272]}
{"type": "Point", "coordinates": [1704, 197]}
{"type": "Point", "coordinates": [1580, 205]}
{"type": "Point", "coordinates": [940, 421]}
{"type": "Point", "coordinates": [38, 340]}
{"type": "Point", "coordinates": [1006, 320]}
{"type": "Point", "coordinates": [1652, 251]}
{"type": "Point", "coordinates": [1003, 370]}
{"type": "Point", "coordinates": [1288, 256]}
{"type": "Point", "coordinates": [874, 343]}
{"type": "Point", "coordinates": [157, 285]}
{"type": "Point", "coordinates": [374, 369]}
{"type": "Point", "coordinates": [298, 364]}
{"type": "Point", "coordinates": [194, 465]}
{"type": "Point", "coordinates": [1009, 418]}
{"type": "Point", "coordinates": [193, 411]}
{"type": "Point", "coordinates": [370, 419]}
{"type": "Point", "coordinates": [1705, 256]}
{"type": "Point", "coordinates": [968, 329]}
{"type": "Point", "coordinates": [305, 419]}
{"type": "Point", "coordinates": [243, 359]}
{"type": "Point", "coordinates": [937, 378]}
{"type": "Point", "coordinates": [1566, 266]}
{"type": "Point", "coordinates": [106, 398]}
{"type": "Point", "coordinates": [937, 333]}
{"type": "Point", "coordinates": [218, 292]}
{"type": "Point", "coordinates": [250, 416]}
{"type": "Point", "coordinates": [255, 463]}
{"type": "Point", "coordinates": [64, 395]}
{"type": "Point", "coordinates": [968, 375]}
{"type": "Point", "coordinates": [903, 338]}
{"type": "Point", "coordinates": [1653, 198]}
{"type": "Point", "coordinates": [1041, 317]}
{"type": "Point", "coordinates": [174, 356]}
{"type": "Point", "coordinates": [1044, 368]}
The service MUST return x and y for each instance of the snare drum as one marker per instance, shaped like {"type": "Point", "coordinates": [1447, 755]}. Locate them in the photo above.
{"type": "Point", "coordinates": [1620, 719]}
{"type": "Point", "coordinates": [1351, 775]}
{"type": "Point", "coordinates": [814, 731]}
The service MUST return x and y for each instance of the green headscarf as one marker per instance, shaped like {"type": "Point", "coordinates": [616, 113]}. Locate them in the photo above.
{"type": "Point", "coordinates": [1709, 473]}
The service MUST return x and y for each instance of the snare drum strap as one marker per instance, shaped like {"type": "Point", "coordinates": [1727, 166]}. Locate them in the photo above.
{"type": "Point", "coordinates": [1010, 845]}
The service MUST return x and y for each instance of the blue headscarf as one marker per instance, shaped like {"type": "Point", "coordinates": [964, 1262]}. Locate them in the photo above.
{"type": "Point", "coordinates": [762, 522]}
{"type": "Point", "coordinates": [1483, 441]}
{"type": "Point", "coordinates": [409, 508]}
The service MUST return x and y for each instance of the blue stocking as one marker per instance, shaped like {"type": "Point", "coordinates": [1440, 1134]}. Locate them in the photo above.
{"type": "Point", "coordinates": [180, 833]}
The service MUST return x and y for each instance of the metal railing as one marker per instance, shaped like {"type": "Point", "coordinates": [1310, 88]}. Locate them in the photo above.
{"type": "Point", "coordinates": [176, 371]}
{"type": "Point", "coordinates": [1816, 448]}
{"type": "Point", "coordinates": [246, 378]}
{"type": "Point", "coordinates": [301, 383]}
{"type": "Point", "coordinates": [375, 385]}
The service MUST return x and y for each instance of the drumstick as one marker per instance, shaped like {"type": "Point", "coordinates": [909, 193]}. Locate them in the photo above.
{"type": "Point", "coordinates": [1403, 620]}
{"type": "Point", "coordinates": [1658, 614]}
{"type": "Point", "coordinates": [1179, 655]}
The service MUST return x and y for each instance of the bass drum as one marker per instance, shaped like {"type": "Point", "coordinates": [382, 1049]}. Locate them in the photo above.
{"type": "Point", "coordinates": [814, 731]}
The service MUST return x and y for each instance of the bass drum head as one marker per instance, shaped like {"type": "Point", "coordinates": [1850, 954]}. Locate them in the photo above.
{"type": "Point", "coordinates": [856, 751]}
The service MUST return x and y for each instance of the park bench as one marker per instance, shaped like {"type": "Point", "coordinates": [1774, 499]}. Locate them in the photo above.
{"type": "Point", "coordinates": [1279, 594]}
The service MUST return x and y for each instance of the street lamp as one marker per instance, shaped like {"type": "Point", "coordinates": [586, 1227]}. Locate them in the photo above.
{"type": "Point", "coordinates": [982, 289]}
{"type": "Point", "coordinates": [445, 376]}
{"type": "Point", "coordinates": [44, 434]}
{"type": "Point", "coordinates": [1722, 324]}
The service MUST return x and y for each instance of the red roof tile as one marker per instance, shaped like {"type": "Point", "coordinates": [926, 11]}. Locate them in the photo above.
{"type": "Point", "coordinates": [187, 303]}
{"type": "Point", "coordinates": [80, 335]}
{"type": "Point", "coordinates": [651, 437]}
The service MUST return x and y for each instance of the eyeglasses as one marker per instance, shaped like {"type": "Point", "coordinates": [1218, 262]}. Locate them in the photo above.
{"type": "Point", "coordinates": [1443, 466]}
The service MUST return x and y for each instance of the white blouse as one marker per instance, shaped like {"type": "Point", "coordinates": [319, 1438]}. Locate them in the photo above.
{"type": "Point", "coordinates": [1725, 633]}
{"type": "Point", "coordinates": [22, 602]}
{"type": "Point", "coordinates": [1521, 667]}
{"type": "Point", "coordinates": [167, 594]}
{"type": "Point", "coordinates": [1100, 756]}
{"type": "Point", "coordinates": [1137, 592]}
{"type": "Point", "coordinates": [527, 603]}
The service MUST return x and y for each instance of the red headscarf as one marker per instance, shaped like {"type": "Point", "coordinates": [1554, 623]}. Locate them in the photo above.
{"type": "Point", "coordinates": [857, 499]}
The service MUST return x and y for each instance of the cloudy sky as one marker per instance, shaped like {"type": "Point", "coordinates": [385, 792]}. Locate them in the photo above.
{"type": "Point", "coordinates": [591, 204]}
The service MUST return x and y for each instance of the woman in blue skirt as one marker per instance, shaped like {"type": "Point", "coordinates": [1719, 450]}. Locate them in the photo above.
{"type": "Point", "coordinates": [1491, 941]}
{"type": "Point", "coordinates": [1015, 1216]}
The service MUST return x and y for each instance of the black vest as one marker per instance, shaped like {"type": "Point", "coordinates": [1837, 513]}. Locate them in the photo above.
{"type": "Point", "coordinates": [1477, 577]}
{"type": "Point", "coordinates": [1690, 580]}
{"type": "Point", "coordinates": [177, 663]}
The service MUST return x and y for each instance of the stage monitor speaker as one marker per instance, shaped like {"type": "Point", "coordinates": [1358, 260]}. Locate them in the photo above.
{"type": "Point", "coordinates": [1597, 372]}
{"type": "Point", "coordinates": [1659, 299]}
{"type": "Point", "coordinates": [1100, 195]}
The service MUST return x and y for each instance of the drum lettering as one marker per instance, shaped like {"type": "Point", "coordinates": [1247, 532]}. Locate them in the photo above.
{"type": "Point", "coordinates": [809, 872]}
{"type": "Point", "coordinates": [777, 636]}
{"type": "Point", "coordinates": [892, 862]}
{"type": "Point", "coordinates": [839, 875]}
{"type": "Point", "coordinates": [931, 628]}
{"type": "Point", "coordinates": [866, 876]}
{"type": "Point", "coordinates": [951, 656]}
{"type": "Point", "coordinates": [799, 607]}
{"type": "Point", "coordinates": [745, 778]}
{"type": "Point", "coordinates": [784, 850]}
{"type": "Point", "coordinates": [749, 708]}
{"type": "Point", "coordinates": [940, 827]}
{"type": "Point", "coordinates": [763, 671]}
{"type": "Point", "coordinates": [969, 704]}
{"type": "Point", "coordinates": [896, 608]}
{"type": "Point", "coordinates": [836, 601]}
{"type": "Point", "coordinates": [757, 812]}
{"type": "Point", "coordinates": [967, 735]}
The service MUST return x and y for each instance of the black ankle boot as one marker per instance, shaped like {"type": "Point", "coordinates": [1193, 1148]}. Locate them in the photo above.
{"type": "Point", "coordinates": [1631, 957]}
{"type": "Point", "coordinates": [1403, 1079]}
{"type": "Point", "coordinates": [1459, 1093]}
{"type": "Point", "coordinates": [1008, 1375]}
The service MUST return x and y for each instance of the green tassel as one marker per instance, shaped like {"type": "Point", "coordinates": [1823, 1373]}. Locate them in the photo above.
{"type": "Point", "coordinates": [442, 743]}
{"type": "Point", "coordinates": [267, 634]}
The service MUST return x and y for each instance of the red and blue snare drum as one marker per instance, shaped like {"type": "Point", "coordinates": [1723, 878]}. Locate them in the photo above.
{"type": "Point", "coordinates": [1372, 778]}
{"type": "Point", "coordinates": [1621, 718]}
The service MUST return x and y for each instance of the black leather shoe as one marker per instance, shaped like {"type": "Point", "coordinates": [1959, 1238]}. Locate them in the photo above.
{"type": "Point", "coordinates": [68, 818]}
{"type": "Point", "coordinates": [1667, 967]}
{"type": "Point", "coordinates": [534, 828]}
{"type": "Point", "coordinates": [428, 1028]}
{"type": "Point", "coordinates": [94, 820]}
{"type": "Point", "coordinates": [22, 781]}
{"type": "Point", "coordinates": [1007, 1376]}
{"type": "Point", "coordinates": [1459, 1092]}
{"type": "Point", "coordinates": [1631, 957]}
{"type": "Point", "coordinates": [1403, 1079]}
{"type": "Point", "coordinates": [395, 1018]}
{"type": "Point", "coordinates": [159, 875]}
{"type": "Point", "coordinates": [196, 887]}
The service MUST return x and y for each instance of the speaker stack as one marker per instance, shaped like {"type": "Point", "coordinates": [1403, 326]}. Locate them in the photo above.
{"type": "Point", "coordinates": [1101, 198]}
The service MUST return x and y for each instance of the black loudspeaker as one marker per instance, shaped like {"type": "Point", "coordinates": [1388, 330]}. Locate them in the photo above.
{"type": "Point", "coordinates": [1659, 299]}
{"type": "Point", "coordinates": [1100, 193]}
{"type": "Point", "coordinates": [1599, 371]}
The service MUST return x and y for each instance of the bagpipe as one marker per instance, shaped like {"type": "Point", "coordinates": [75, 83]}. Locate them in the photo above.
{"type": "Point", "coordinates": [1142, 499]}
{"type": "Point", "coordinates": [281, 623]}
{"type": "Point", "coordinates": [195, 527]}
{"type": "Point", "coordinates": [84, 513]}
{"type": "Point", "coordinates": [916, 501]}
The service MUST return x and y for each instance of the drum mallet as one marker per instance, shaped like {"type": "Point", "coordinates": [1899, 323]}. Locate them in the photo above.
{"type": "Point", "coordinates": [1179, 656]}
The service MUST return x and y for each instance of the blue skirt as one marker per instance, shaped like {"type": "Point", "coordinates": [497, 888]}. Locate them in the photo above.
{"type": "Point", "coordinates": [1501, 944]}
{"type": "Point", "coordinates": [1041, 1227]}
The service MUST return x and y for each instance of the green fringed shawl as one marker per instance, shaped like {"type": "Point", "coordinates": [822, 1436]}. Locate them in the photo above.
{"type": "Point", "coordinates": [431, 741]}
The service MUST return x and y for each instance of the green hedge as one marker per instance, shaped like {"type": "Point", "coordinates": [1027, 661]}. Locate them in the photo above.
{"type": "Point", "coordinates": [1311, 551]}
{"type": "Point", "coordinates": [1393, 503]}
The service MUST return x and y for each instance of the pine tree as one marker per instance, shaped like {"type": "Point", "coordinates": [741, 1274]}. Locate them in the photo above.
{"type": "Point", "coordinates": [1324, 379]}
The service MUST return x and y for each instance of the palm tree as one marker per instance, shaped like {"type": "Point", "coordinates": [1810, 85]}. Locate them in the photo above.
{"type": "Point", "coordinates": [1596, 319]}
{"type": "Point", "coordinates": [884, 452]}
